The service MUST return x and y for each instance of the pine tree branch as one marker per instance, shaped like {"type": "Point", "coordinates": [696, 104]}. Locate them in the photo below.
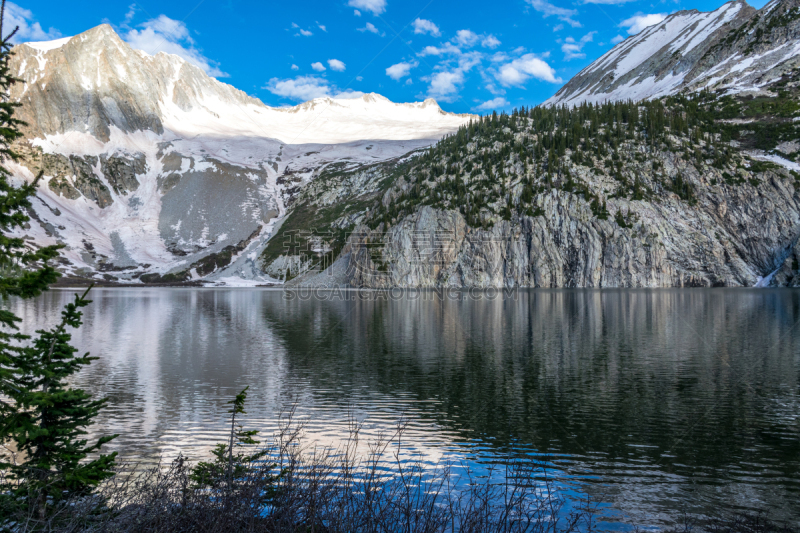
{"type": "Point", "coordinates": [59, 330]}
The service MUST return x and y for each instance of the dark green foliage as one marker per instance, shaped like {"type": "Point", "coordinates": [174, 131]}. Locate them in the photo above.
{"type": "Point", "coordinates": [496, 166]}
{"type": "Point", "coordinates": [308, 221]}
{"type": "Point", "coordinates": [173, 277]}
{"type": "Point", "coordinates": [231, 463]}
{"type": "Point", "coordinates": [762, 166]}
{"type": "Point", "coordinates": [682, 188]}
{"type": "Point", "coordinates": [620, 219]}
{"type": "Point", "coordinates": [599, 208]}
{"type": "Point", "coordinates": [42, 419]}
{"type": "Point", "coordinates": [46, 420]}
{"type": "Point", "coordinates": [23, 272]}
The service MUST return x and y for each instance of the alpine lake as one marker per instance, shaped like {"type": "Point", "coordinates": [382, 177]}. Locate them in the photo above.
{"type": "Point", "coordinates": [651, 402]}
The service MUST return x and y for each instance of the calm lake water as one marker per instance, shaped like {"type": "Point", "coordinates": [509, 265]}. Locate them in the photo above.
{"type": "Point", "coordinates": [654, 402]}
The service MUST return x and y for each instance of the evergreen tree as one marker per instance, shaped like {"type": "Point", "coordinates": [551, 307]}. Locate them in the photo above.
{"type": "Point", "coordinates": [230, 464]}
{"type": "Point", "coordinates": [229, 471]}
{"type": "Point", "coordinates": [42, 419]}
{"type": "Point", "coordinates": [23, 272]}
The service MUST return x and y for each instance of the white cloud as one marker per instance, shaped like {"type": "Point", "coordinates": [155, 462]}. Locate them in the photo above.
{"type": "Point", "coordinates": [558, 27]}
{"type": "Point", "coordinates": [463, 38]}
{"type": "Point", "coordinates": [356, 12]}
{"type": "Point", "coordinates": [469, 60]}
{"type": "Point", "coordinates": [466, 38]}
{"type": "Point", "coordinates": [573, 49]}
{"type": "Point", "coordinates": [348, 94]}
{"type": "Point", "coordinates": [129, 15]}
{"type": "Point", "coordinates": [444, 85]}
{"type": "Point", "coordinates": [449, 75]}
{"type": "Point", "coordinates": [518, 71]}
{"type": "Point", "coordinates": [492, 104]}
{"type": "Point", "coordinates": [322, 27]}
{"type": "Point", "coordinates": [547, 9]}
{"type": "Point", "coordinates": [370, 27]}
{"type": "Point", "coordinates": [446, 48]}
{"type": "Point", "coordinates": [301, 31]}
{"type": "Point", "coordinates": [638, 22]}
{"type": "Point", "coordinates": [336, 65]}
{"type": "Point", "coordinates": [376, 7]}
{"type": "Point", "coordinates": [490, 41]}
{"type": "Point", "coordinates": [618, 39]}
{"type": "Point", "coordinates": [426, 26]}
{"type": "Point", "coordinates": [304, 88]}
{"type": "Point", "coordinates": [295, 67]}
{"type": "Point", "coordinates": [400, 70]}
{"type": "Point", "coordinates": [319, 67]}
{"type": "Point", "coordinates": [493, 89]}
{"type": "Point", "coordinates": [301, 88]}
{"type": "Point", "coordinates": [164, 34]}
{"type": "Point", "coordinates": [28, 29]}
{"type": "Point", "coordinates": [409, 81]}
{"type": "Point", "coordinates": [499, 57]}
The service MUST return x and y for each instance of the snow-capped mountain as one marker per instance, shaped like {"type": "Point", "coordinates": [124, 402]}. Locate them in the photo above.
{"type": "Point", "coordinates": [151, 166]}
{"type": "Point", "coordinates": [732, 49]}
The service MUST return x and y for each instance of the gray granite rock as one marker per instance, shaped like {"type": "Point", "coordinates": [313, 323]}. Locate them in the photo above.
{"type": "Point", "coordinates": [733, 236]}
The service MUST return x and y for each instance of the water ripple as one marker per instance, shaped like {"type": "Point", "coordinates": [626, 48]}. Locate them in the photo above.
{"type": "Point", "coordinates": [653, 402]}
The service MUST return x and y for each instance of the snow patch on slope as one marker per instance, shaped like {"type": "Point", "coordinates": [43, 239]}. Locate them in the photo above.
{"type": "Point", "coordinates": [134, 218]}
{"type": "Point", "coordinates": [320, 121]}
{"type": "Point", "coordinates": [671, 41]}
{"type": "Point", "coordinates": [791, 165]}
{"type": "Point", "coordinates": [46, 46]}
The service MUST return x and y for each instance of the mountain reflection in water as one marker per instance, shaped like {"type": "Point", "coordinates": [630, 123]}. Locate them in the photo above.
{"type": "Point", "coordinates": [653, 401]}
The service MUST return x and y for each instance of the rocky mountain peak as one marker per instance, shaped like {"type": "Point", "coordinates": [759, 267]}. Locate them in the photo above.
{"type": "Point", "coordinates": [102, 33]}
{"type": "Point", "coordinates": [155, 170]}
{"type": "Point", "coordinates": [89, 83]}
{"type": "Point", "coordinates": [94, 82]}
{"type": "Point", "coordinates": [733, 48]}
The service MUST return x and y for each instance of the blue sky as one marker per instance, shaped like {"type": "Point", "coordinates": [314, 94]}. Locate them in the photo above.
{"type": "Point", "coordinates": [470, 55]}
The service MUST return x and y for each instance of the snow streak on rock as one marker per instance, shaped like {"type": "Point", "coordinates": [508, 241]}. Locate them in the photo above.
{"type": "Point", "coordinates": [734, 48]}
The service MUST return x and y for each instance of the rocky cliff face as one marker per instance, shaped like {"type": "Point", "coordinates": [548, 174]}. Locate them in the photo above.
{"type": "Point", "coordinates": [154, 171]}
{"type": "Point", "coordinates": [735, 48]}
{"type": "Point", "coordinates": [737, 236]}
{"type": "Point", "coordinates": [674, 193]}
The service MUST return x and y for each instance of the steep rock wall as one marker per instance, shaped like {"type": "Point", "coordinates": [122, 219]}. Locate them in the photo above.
{"type": "Point", "coordinates": [732, 236]}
